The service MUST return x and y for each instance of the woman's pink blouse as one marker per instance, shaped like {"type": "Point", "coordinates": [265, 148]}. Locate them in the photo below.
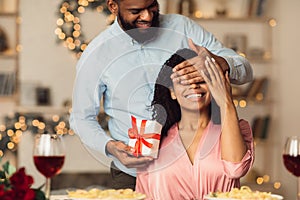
{"type": "Point", "coordinates": [173, 177]}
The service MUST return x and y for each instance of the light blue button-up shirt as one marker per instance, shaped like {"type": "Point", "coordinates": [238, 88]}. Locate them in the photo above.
{"type": "Point", "coordinates": [123, 72]}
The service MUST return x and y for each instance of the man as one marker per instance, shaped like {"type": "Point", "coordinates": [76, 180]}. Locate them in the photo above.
{"type": "Point", "coordinates": [121, 65]}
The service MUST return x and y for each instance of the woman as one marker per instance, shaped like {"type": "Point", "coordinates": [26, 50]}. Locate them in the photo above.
{"type": "Point", "coordinates": [196, 155]}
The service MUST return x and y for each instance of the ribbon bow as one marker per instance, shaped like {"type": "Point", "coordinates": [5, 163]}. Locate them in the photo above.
{"type": "Point", "coordinates": [140, 137]}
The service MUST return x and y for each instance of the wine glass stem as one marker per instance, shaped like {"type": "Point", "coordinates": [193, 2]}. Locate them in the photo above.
{"type": "Point", "coordinates": [298, 188]}
{"type": "Point", "coordinates": [47, 188]}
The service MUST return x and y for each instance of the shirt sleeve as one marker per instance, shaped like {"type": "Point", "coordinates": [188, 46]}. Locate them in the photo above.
{"type": "Point", "coordinates": [239, 169]}
{"type": "Point", "coordinates": [87, 94]}
{"type": "Point", "coordinates": [239, 68]}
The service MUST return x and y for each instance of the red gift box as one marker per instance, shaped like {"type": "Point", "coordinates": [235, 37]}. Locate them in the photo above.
{"type": "Point", "coordinates": [144, 137]}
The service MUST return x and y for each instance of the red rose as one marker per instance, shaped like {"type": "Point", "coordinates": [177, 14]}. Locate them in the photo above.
{"type": "Point", "coordinates": [20, 181]}
{"type": "Point", "coordinates": [9, 195]}
{"type": "Point", "coordinates": [18, 186]}
{"type": "Point", "coordinates": [24, 194]}
{"type": "Point", "coordinates": [21, 184]}
{"type": "Point", "coordinates": [30, 195]}
{"type": "Point", "coordinates": [1, 191]}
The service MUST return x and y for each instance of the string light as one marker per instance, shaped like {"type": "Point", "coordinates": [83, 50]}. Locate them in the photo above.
{"type": "Point", "coordinates": [69, 30]}
{"type": "Point", "coordinates": [17, 124]}
{"type": "Point", "coordinates": [277, 185]}
{"type": "Point", "coordinates": [266, 179]}
{"type": "Point", "coordinates": [272, 22]}
{"type": "Point", "coordinates": [11, 133]}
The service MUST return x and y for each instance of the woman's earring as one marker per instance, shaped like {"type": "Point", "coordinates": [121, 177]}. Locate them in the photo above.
{"type": "Point", "coordinates": [173, 96]}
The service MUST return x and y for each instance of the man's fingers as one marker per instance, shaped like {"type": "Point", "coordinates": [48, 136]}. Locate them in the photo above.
{"type": "Point", "coordinates": [131, 161]}
{"type": "Point", "coordinates": [183, 73]}
{"type": "Point", "coordinates": [188, 78]}
{"type": "Point", "coordinates": [182, 65]}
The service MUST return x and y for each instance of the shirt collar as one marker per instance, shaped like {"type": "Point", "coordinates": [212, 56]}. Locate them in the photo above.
{"type": "Point", "coordinates": [119, 32]}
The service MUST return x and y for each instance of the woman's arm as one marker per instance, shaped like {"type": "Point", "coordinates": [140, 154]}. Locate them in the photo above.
{"type": "Point", "coordinates": [233, 147]}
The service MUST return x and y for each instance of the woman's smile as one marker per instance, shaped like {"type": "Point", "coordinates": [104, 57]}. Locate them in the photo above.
{"type": "Point", "coordinates": [195, 95]}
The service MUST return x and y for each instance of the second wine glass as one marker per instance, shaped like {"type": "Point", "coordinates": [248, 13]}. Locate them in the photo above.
{"type": "Point", "coordinates": [291, 158]}
{"type": "Point", "coordinates": [48, 156]}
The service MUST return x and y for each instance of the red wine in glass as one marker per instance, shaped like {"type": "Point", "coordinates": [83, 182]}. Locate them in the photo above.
{"type": "Point", "coordinates": [292, 164]}
{"type": "Point", "coordinates": [49, 165]}
{"type": "Point", "coordinates": [48, 157]}
{"type": "Point", "coordinates": [291, 158]}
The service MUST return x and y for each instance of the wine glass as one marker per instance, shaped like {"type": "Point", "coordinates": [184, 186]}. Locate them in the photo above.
{"type": "Point", "coordinates": [48, 156]}
{"type": "Point", "coordinates": [291, 158]}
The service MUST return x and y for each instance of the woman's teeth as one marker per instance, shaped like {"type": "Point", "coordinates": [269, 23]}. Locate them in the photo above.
{"type": "Point", "coordinates": [194, 96]}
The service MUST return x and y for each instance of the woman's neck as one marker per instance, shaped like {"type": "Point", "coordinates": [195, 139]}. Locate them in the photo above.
{"type": "Point", "coordinates": [191, 128]}
{"type": "Point", "coordinates": [193, 121]}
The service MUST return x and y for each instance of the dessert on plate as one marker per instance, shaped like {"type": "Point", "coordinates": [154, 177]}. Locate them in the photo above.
{"type": "Point", "coordinates": [242, 193]}
{"type": "Point", "coordinates": [107, 194]}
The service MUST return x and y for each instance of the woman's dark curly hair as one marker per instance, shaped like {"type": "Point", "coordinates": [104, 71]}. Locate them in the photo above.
{"type": "Point", "coordinates": [167, 111]}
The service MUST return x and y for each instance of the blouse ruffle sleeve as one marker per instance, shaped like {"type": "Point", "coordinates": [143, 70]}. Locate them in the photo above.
{"type": "Point", "coordinates": [239, 169]}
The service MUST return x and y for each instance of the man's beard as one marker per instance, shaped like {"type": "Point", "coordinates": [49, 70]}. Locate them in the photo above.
{"type": "Point", "coordinates": [139, 34]}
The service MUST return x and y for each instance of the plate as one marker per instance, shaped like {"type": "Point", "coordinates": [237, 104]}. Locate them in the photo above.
{"type": "Point", "coordinates": [65, 197]}
{"type": "Point", "coordinates": [207, 197]}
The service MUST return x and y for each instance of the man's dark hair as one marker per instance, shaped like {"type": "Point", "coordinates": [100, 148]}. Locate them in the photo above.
{"type": "Point", "coordinates": [166, 111]}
